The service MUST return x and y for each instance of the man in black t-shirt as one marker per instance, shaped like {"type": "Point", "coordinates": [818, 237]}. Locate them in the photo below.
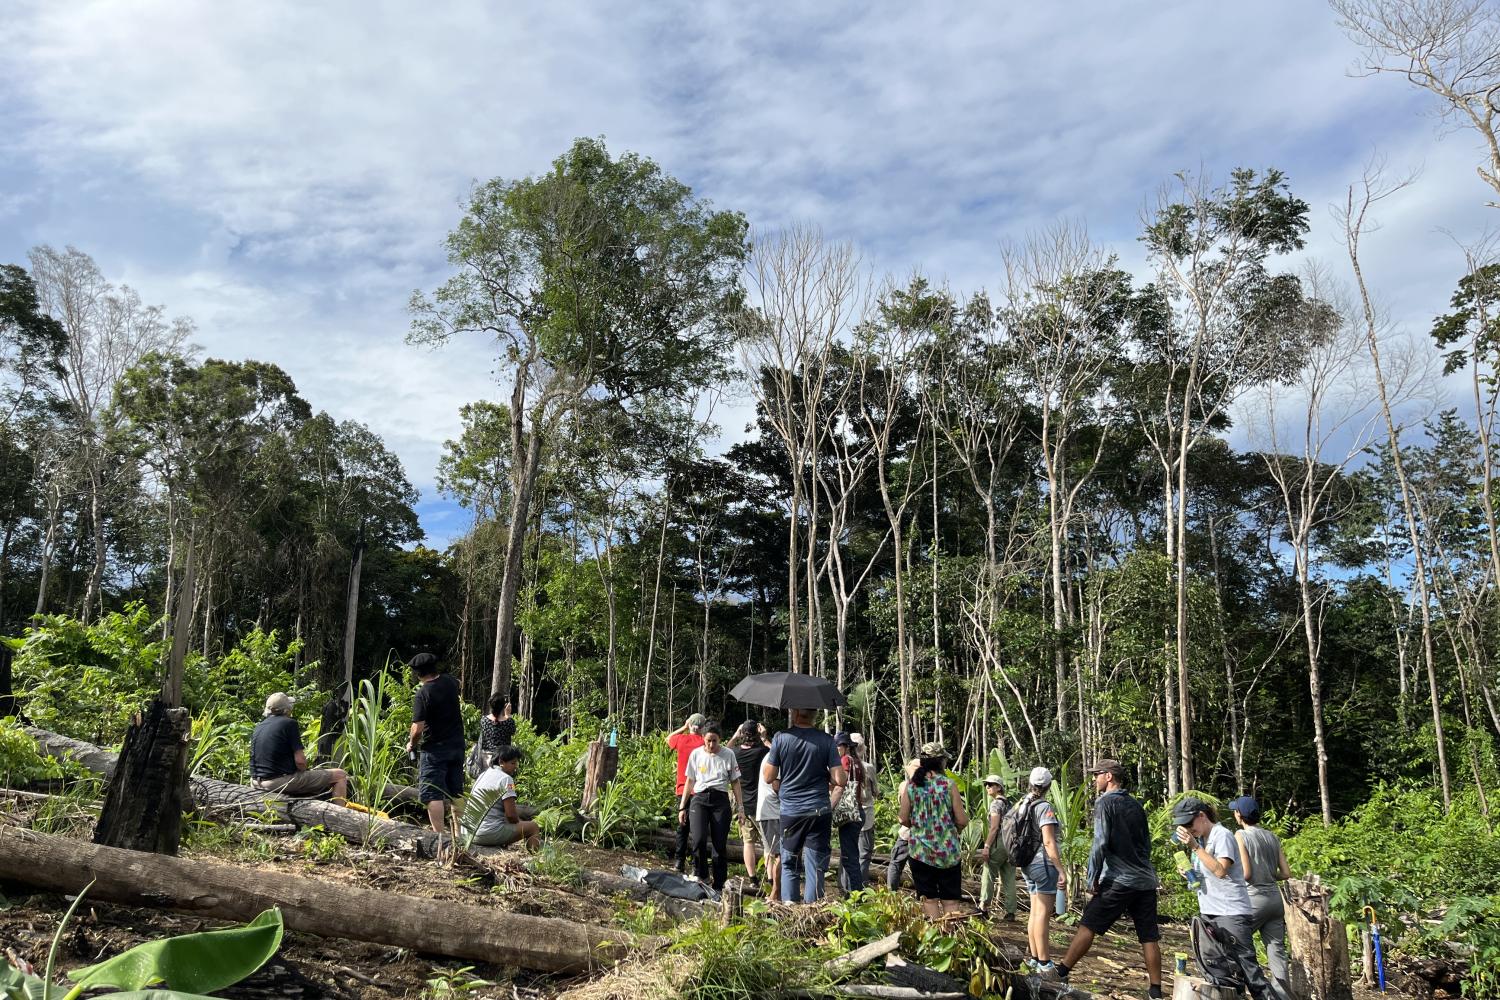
{"type": "Point", "coordinates": [437, 726]}
{"type": "Point", "coordinates": [277, 763]}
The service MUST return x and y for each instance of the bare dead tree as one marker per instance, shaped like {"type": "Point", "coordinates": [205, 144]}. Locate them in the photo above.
{"type": "Point", "coordinates": [1314, 427]}
{"type": "Point", "coordinates": [1058, 300]}
{"type": "Point", "coordinates": [109, 331]}
{"type": "Point", "coordinates": [809, 292]}
{"type": "Point", "coordinates": [1450, 48]}
{"type": "Point", "coordinates": [1355, 220]}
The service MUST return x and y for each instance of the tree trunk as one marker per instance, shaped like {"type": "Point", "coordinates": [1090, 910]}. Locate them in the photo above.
{"type": "Point", "coordinates": [142, 809]}
{"type": "Point", "coordinates": [96, 575]}
{"type": "Point", "coordinates": [351, 608]}
{"type": "Point", "coordinates": [1319, 945]}
{"type": "Point", "coordinates": [327, 909]}
{"type": "Point", "coordinates": [600, 768]}
{"type": "Point", "coordinates": [520, 512]}
{"type": "Point", "coordinates": [48, 542]}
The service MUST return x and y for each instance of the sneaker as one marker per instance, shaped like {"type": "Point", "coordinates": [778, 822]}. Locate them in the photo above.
{"type": "Point", "coordinates": [1047, 972]}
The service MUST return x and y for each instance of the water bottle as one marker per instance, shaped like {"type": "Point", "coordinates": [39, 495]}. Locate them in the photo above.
{"type": "Point", "coordinates": [1062, 901]}
{"type": "Point", "coordinates": [614, 736]}
{"type": "Point", "coordinates": [1181, 964]}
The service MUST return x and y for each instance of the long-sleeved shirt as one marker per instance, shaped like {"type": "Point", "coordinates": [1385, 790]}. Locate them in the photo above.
{"type": "Point", "coordinates": [1122, 843]}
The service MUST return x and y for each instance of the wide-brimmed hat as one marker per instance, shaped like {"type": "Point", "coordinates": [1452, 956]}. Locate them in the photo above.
{"type": "Point", "coordinates": [933, 750]}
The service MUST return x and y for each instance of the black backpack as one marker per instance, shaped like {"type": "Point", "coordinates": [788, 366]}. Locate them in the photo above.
{"type": "Point", "coordinates": [1020, 832]}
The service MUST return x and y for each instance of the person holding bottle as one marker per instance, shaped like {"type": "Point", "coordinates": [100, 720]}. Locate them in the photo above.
{"type": "Point", "coordinates": [1223, 899]}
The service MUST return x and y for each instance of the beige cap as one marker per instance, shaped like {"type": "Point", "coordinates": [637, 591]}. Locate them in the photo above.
{"type": "Point", "coordinates": [279, 703]}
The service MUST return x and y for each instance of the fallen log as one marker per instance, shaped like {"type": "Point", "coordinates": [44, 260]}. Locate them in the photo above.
{"type": "Point", "coordinates": [222, 797]}
{"type": "Point", "coordinates": [846, 965]}
{"type": "Point", "coordinates": [326, 909]}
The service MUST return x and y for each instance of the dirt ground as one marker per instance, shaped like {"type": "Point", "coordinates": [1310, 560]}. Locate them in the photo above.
{"type": "Point", "coordinates": [309, 966]}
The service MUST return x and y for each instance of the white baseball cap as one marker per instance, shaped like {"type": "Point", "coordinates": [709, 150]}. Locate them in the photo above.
{"type": "Point", "coordinates": [279, 703]}
{"type": "Point", "coordinates": [1040, 777]}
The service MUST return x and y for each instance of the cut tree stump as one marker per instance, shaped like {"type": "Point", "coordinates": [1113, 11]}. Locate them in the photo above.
{"type": "Point", "coordinates": [600, 767]}
{"type": "Point", "coordinates": [327, 909]}
{"type": "Point", "coordinates": [1319, 945]}
{"type": "Point", "coordinates": [142, 808]}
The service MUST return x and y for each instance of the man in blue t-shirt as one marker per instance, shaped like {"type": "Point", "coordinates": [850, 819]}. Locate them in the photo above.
{"type": "Point", "coordinates": [803, 767]}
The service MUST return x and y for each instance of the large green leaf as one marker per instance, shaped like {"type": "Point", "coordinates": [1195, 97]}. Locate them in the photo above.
{"type": "Point", "coordinates": [195, 963]}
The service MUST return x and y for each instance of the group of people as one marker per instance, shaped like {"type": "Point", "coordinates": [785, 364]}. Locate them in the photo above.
{"type": "Point", "coordinates": [790, 795]}
{"type": "Point", "coordinates": [278, 762]}
{"type": "Point", "coordinates": [794, 791]}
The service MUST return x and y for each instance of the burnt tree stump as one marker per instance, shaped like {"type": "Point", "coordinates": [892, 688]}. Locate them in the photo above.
{"type": "Point", "coordinates": [142, 809]}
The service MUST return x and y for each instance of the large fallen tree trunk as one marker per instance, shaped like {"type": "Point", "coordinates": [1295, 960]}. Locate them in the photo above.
{"type": "Point", "coordinates": [327, 909]}
{"type": "Point", "coordinates": [223, 797]}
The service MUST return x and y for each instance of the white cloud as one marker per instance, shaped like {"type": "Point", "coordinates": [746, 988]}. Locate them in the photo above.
{"type": "Point", "coordinates": [285, 172]}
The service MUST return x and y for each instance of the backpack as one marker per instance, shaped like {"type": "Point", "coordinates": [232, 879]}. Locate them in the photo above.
{"type": "Point", "coordinates": [1020, 832]}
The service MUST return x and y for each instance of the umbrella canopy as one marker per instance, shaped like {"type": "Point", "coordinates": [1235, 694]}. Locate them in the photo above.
{"type": "Point", "coordinates": [787, 690]}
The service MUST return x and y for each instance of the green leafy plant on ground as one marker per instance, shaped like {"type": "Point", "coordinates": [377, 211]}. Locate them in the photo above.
{"type": "Point", "coordinates": [189, 965]}
{"type": "Point", "coordinates": [749, 960]}
{"type": "Point", "coordinates": [370, 749]}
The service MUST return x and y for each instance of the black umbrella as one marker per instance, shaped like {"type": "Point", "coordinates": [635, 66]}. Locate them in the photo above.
{"type": "Point", "coordinates": [785, 690]}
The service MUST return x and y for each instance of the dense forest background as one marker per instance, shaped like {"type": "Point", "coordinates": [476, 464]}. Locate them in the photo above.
{"type": "Point", "coordinates": [1215, 515]}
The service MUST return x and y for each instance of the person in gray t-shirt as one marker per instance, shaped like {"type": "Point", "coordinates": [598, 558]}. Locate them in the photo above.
{"type": "Point", "coordinates": [1265, 865]}
{"type": "Point", "coordinates": [1223, 899]}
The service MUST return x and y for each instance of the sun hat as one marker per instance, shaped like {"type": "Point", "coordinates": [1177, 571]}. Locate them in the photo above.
{"type": "Point", "coordinates": [933, 749]}
{"type": "Point", "coordinates": [994, 779]}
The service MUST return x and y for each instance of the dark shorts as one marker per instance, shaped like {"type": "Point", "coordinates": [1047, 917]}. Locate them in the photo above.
{"type": "Point", "coordinates": [1111, 902]}
{"type": "Point", "coordinates": [936, 883]}
{"type": "Point", "coordinates": [440, 776]}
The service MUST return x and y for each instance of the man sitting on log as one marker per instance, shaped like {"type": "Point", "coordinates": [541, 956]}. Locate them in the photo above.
{"type": "Point", "coordinates": [502, 824]}
{"type": "Point", "coordinates": [277, 763]}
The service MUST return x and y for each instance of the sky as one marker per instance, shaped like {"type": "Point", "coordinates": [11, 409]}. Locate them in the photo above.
{"type": "Point", "coordinates": [285, 173]}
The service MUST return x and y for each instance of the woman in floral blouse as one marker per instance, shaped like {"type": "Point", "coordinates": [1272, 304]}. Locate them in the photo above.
{"type": "Point", "coordinates": [932, 808]}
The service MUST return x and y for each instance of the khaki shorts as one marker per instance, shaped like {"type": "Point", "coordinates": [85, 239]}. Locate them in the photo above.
{"type": "Point", "coordinates": [303, 784]}
{"type": "Point", "coordinates": [501, 836]}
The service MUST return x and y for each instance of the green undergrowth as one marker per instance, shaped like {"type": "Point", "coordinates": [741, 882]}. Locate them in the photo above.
{"type": "Point", "coordinates": [752, 958]}
{"type": "Point", "coordinates": [1431, 878]}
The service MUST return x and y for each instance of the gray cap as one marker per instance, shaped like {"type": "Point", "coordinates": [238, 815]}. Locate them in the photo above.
{"type": "Point", "coordinates": [279, 703]}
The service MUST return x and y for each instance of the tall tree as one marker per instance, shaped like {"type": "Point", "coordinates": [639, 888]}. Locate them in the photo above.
{"type": "Point", "coordinates": [600, 277]}
{"type": "Point", "coordinates": [1225, 330]}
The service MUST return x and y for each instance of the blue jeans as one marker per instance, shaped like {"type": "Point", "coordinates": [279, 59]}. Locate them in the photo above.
{"type": "Point", "coordinates": [805, 849]}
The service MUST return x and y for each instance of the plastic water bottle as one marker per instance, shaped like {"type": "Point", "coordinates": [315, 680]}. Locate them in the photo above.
{"type": "Point", "coordinates": [614, 736]}
{"type": "Point", "coordinates": [1062, 901]}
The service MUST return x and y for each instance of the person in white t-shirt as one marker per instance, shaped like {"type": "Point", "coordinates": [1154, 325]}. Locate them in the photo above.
{"type": "Point", "coordinates": [768, 821]}
{"type": "Point", "coordinates": [1223, 898]}
{"type": "Point", "coordinates": [713, 774]}
{"type": "Point", "coordinates": [502, 824]}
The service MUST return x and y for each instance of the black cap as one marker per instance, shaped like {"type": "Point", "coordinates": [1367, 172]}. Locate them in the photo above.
{"type": "Point", "coordinates": [1187, 808]}
{"type": "Point", "coordinates": [424, 664]}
